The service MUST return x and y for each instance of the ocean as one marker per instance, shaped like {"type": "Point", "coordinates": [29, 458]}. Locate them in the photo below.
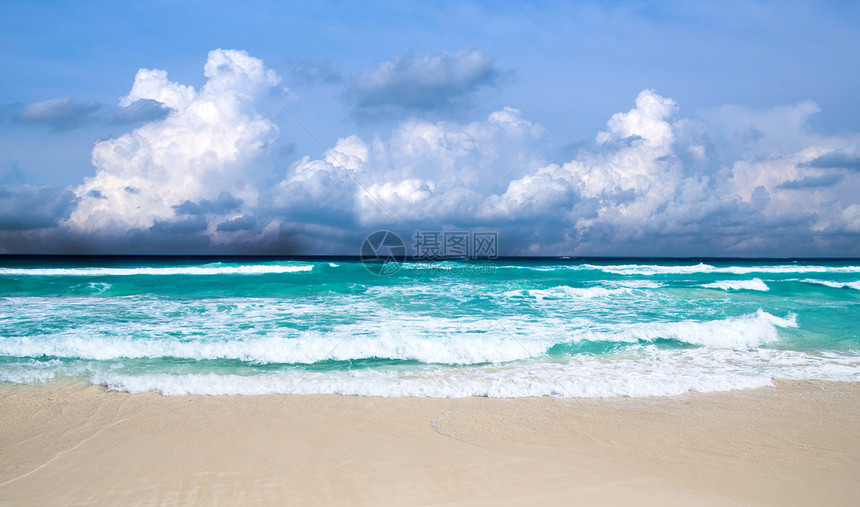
{"type": "Point", "coordinates": [502, 328]}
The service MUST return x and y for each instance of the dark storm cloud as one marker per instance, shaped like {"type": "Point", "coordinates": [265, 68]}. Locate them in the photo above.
{"type": "Point", "coordinates": [224, 203]}
{"type": "Point", "coordinates": [27, 207]}
{"type": "Point", "coordinates": [827, 180]}
{"type": "Point", "coordinates": [839, 159]}
{"type": "Point", "coordinates": [183, 226]}
{"type": "Point", "coordinates": [242, 223]}
{"type": "Point", "coordinates": [409, 83]}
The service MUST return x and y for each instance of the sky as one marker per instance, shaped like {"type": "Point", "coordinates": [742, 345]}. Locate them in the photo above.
{"type": "Point", "coordinates": [593, 128]}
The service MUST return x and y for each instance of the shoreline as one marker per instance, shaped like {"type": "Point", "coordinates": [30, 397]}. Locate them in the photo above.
{"type": "Point", "coordinates": [791, 444]}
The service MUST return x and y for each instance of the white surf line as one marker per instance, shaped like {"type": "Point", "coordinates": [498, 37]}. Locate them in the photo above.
{"type": "Point", "coordinates": [328, 356]}
{"type": "Point", "coordinates": [529, 353]}
{"type": "Point", "coordinates": [82, 442]}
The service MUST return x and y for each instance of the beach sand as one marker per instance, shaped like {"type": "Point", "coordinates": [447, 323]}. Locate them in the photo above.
{"type": "Point", "coordinates": [793, 444]}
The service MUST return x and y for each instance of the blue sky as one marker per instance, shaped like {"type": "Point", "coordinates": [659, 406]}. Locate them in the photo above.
{"type": "Point", "coordinates": [699, 128]}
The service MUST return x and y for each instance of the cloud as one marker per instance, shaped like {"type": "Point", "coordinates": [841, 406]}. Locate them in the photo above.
{"type": "Point", "coordinates": [6, 109]}
{"type": "Point", "coordinates": [151, 98]}
{"type": "Point", "coordinates": [761, 133]}
{"type": "Point", "coordinates": [692, 192]}
{"type": "Point", "coordinates": [312, 72]}
{"type": "Point", "coordinates": [223, 204]}
{"type": "Point", "coordinates": [28, 207]}
{"type": "Point", "coordinates": [410, 83]}
{"type": "Point", "coordinates": [733, 181]}
{"type": "Point", "coordinates": [429, 172]}
{"type": "Point", "coordinates": [837, 159]}
{"type": "Point", "coordinates": [152, 84]}
{"type": "Point", "coordinates": [139, 111]}
{"type": "Point", "coordinates": [67, 114]}
{"type": "Point", "coordinates": [200, 159]}
{"type": "Point", "coordinates": [826, 180]}
{"type": "Point", "coordinates": [651, 183]}
{"type": "Point", "coordinates": [10, 173]}
{"type": "Point", "coordinates": [59, 114]}
{"type": "Point", "coordinates": [242, 223]}
{"type": "Point", "coordinates": [183, 226]}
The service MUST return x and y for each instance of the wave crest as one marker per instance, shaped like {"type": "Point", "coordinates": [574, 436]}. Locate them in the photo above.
{"type": "Point", "coordinates": [249, 269]}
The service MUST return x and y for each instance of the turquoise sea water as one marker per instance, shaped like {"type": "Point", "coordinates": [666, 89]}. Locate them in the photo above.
{"type": "Point", "coordinates": [558, 327]}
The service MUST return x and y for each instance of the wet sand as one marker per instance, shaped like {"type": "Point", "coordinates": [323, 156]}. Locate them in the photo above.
{"type": "Point", "coordinates": [793, 444]}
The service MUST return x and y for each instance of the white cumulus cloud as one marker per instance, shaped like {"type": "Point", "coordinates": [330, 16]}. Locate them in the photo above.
{"type": "Point", "coordinates": [651, 183]}
{"type": "Point", "coordinates": [425, 171]}
{"type": "Point", "coordinates": [734, 181]}
{"type": "Point", "coordinates": [203, 148]}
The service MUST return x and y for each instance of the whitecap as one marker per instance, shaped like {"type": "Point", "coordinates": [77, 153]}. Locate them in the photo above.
{"type": "Point", "coordinates": [754, 284]}
{"type": "Point", "coordinates": [250, 269]}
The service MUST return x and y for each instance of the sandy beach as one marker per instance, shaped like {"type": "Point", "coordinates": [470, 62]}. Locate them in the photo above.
{"type": "Point", "coordinates": [792, 444]}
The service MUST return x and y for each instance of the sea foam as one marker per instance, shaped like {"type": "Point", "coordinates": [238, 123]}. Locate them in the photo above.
{"type": "Point", "coordinates": [536, 329]}
{"type": "Point", "coordinates": [251, 269]}
{"type": "Point", "coordinates": [754, 284]}
{"type": "Point", "coordinates": [835, 284]}
{"type": "Point", "coordinates": [702, 268]}
{"type": "Point", "coordinates": [439, 340]}
{"type": "Point", "coordinates": [653, 372]}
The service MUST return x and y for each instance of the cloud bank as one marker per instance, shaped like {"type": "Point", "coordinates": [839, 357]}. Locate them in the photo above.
{"type": "Point", "coordinates": [67, 113]}
{"type": "Point", "coordinates": [199, 180]}
{"type": "Point", "coordinates": [59, 114]}
{"type": "Point", "coordinates": [410, 83]}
